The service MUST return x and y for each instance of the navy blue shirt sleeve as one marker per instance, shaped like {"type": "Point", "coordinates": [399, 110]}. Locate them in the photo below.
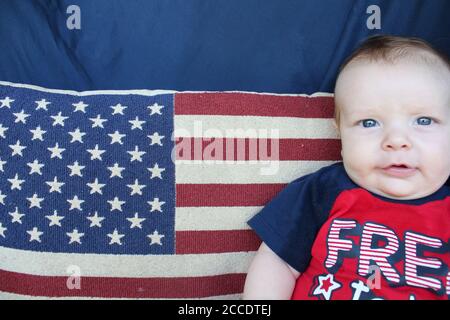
{"type": "Point", "coordinates": [289, 223]}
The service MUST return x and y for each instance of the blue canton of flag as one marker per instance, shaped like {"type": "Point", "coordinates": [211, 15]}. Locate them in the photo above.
{"type": "Point", "coordinates": [86, 174]}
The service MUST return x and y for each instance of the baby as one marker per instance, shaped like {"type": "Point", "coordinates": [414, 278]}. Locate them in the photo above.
{"type": "Point", "coordinates": [375, 226]}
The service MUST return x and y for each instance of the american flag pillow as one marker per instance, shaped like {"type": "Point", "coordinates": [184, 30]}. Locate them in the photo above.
{"type": "Point", "coordinates": [145, 194]}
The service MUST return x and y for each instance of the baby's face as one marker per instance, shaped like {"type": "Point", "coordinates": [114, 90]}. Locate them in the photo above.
{"type": "Point", "coordinates": [395, 127]}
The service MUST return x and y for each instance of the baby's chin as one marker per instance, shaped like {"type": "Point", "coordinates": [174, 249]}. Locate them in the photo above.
{"type": "Point", "coordinates": [399, 190]}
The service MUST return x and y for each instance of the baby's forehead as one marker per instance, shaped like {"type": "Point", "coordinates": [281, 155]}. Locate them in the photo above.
{"type": "Point", "coordinates": [377, 86]}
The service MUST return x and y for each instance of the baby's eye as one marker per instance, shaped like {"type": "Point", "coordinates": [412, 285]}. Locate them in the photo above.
{"type": "Point", "coordinates": [368, 123]}
{"type": "Point", "coordinates": [424, 121]}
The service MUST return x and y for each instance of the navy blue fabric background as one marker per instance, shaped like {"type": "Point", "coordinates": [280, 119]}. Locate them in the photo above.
{"type": "Point", "coordinates": [266, 46]}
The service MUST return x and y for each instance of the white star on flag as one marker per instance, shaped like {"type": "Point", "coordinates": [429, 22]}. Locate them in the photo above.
{"type": "Point", "coordinates": [37, 134]}
{"type": "Point", "coordinates": [98, 122]}
{"type": "Point", "coordinates": [6, 102]}
{"type": "Point", "coordinates": [136, 222]}
{"type": "Point", "coordinates": [35, 167]}
{"type": "Point", "coordinates": [55, 220]}
{"type": "Point", "coordinates": [75, 236]}
{"type": "Point", "coordinates": [156, 139]}
{"type": "Point", "coordinates": [116, 204]}
{"type": "Point", "coordinates": [80, 106]}
{"type": "Point", "coordinates": [56, 151]}
{"type": "Point", "coordinates": [17, 149]}
{"type": "Point", "coordinates": [16, 216]}
{"type": "Point", "coordinates": [156, 171]}
{"type": "Point", "coordinates": [35, 234]}
{"type": "Point", "coordinates": [95, 220]}
{"type": "Point", "coordinates": [2, 131]}
{"type": "Point", "coordinates": [55, 186]}
{"type": "Point", "coordinates": [42, 104]}
{"type": "Point", "coordinates": [118, 109]}
{"type": "Point", "coordinates": [75, 203]}
{"type": "Point", "coordinates": [77, 135]}
{"type": "Point", "coordinates": [156, 205]}
{"type": "Point", "coordinates": [96, 153]}
{"type": "Point", "coordinates": [21, 117]}
{"type": "Point", "coordinates": [155, 109]}
{"type": "Point", "coordinates": [115, 237]}
{"type": "Point", "coordinates": [136, 188]}
{"type": "Point", "coordinates": [59, 119]}
{"type": "Point", "coordinates": [136, 155]}
{"type": "Point", "coordinates": [155, 238]}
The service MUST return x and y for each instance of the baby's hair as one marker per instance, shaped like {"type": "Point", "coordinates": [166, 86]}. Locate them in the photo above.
{"type": "Point", "coordinates": [391, 49]}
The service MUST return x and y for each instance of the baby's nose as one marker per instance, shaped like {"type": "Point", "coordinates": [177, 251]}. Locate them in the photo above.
{"type": "Point", "coordinates": [396, 141]}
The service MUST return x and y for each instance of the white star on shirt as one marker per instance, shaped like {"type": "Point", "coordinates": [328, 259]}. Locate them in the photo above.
{"type": "Point", "coordinates": [156, 138]}
{"type": "Point", "coordinates": [21, 117]}
{"type": "Point", "coordinates": [75, 203]}
{"type": "Point", "coordinates": [35, 201]}
{"type": "Point", "coordinates": [59, 119]}
{"type": "Point", "coordinates": [96, 153]}
{"type": "Point", "coordinates": [136, 222]}
{"type": "Point", "coordinates": [55, 186]}
{"type": "Point", "coordinates": [115, 237]}
{"type": "Point", "coordinates": [3, 130]}
{"type": "Point", "coordinates": [95, 220]}
{"type": "Point", "coordinates": [116, 204]}
{"type": "Point", "coordinates": [136, 154]}
{"type": "Point", "coordinates": [42, 104]}
{"type": "Point", "coordinates": [35, 167]}
{"type": "Point", "coordinates": [118, 109]}
{"type": "Point", "coordinates": [6, 102]}
{"type": "Point", "coordinates": [2, 230]}
{"type": "Point", "coordinates": [116, 137]}
{"type": "Point", "coordinates": [326, 290]}
{"type": "Point", "coordinates": [156, 171]}
{"type": "Point", "coordinates": [96, 187]}
{"type": "Point", "coordinates": [55, 220]}
{"type": "Point", "coordinates": [37, 134]}
{"type": "Point", "coordinates": [155, 108]}
{"type": "Point", "coordinates": [156, 205]}
{"type": "Point", "coordinates": [2, 198]}
{"type": "Point", "coordinates": [16, 216]}
{"type": "Point", "coordinates": [17, 148]}
{"type": "Point", "coordinates": [136, 188]}
{"type": "Point", "coordinates": [136, 124]}
{"type": "Point", "coordinates": [155, 238]}
{"type": "Point", "coordinates": [76, 169]}
{"type": "Point", "coordinates": [97, 122]}
{"type": "Point", "coordinates": [15, 183]}
{"type": "Point", "coordinates": [77, 135]}
{"type": "Point", "coordinates": [116, 171]}
{"type": "Point", "coordinates": [56, 151]}
{"type": "Point", "coordinates": [75, 236]}
{"type": "Point", "coordinates": [80, 106]}
{"type": "Point", "coordinates": [35, 234]}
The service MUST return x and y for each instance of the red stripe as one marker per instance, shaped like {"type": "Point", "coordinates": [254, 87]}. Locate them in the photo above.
{"type": "Point", "coordinates": [234, 149]}
{"type": "Point", "coordinates": [109, 287]}
{"type": "Point", "coordinates": [253, 105]}
{"type": "Point", "coordinates": [195, 242]}
{"type": "Point", "coordinates": [226, 195]}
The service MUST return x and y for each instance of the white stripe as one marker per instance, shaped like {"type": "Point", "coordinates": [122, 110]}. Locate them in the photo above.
{"type": "Point", "coordinates": [103, 265]}
{"type": "Point", "coordinates": [244, 172]}
{"type": "Point", "coordinates": [253, 127]}
{"type": "Point", "coordinates": [213, 218]}
{"type": "Point", "coordinates": [146, 92]}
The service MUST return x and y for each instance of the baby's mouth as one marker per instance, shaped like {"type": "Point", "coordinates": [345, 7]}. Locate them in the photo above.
{"type": "Point", "coordinates": [399, 170]}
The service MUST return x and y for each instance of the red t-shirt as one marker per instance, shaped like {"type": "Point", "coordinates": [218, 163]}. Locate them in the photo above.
{"type": "Point", "coordinates": [349, 243]}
